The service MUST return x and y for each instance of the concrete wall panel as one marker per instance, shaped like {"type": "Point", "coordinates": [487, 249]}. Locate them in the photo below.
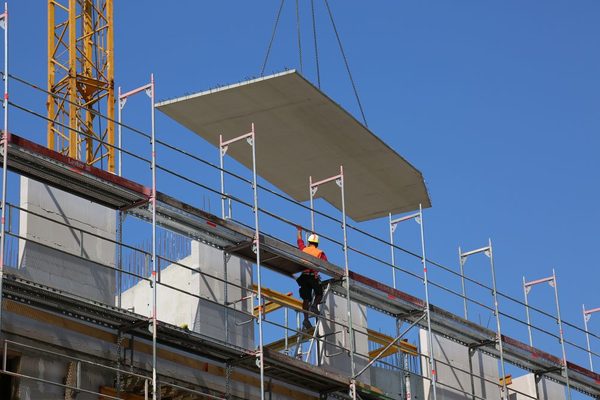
{"type": "Point", "coordinates": [337, 337]}
{"type": "Point", "coordinates": [526, 386]}
{"type": "Point", "coordinates": [74, 263]}
{"type": "Point", "coordinates": [453, 365]}
{"type": "Point", "coordinates": [203, 309]}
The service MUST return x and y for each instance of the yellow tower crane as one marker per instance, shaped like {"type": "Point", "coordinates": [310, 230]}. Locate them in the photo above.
{"type": "Point", "coordinates": [81, 80]}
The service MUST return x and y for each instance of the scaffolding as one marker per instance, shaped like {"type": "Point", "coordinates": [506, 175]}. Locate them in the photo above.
{"type": "Point", "coordinates": [252, 242]}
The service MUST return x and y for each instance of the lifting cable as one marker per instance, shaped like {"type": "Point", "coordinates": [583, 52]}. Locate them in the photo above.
{"type": "Point", "coordinates": [346, 63]}
{"type": "Point", "coordinates": [262, 70]}
{"type": "Point", "coordinates": [298, 34]}
{"type": "Point", "coordinates": [314, 26]}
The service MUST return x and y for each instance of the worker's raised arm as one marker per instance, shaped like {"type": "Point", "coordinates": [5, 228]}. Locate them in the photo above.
{"type": "Point", "coordinates": [301, 244]}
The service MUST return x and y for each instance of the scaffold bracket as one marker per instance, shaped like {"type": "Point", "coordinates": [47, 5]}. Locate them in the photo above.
{"type": "Point", "coordinates": [482, 343]}
{"type": "Point", "coordinates": [548, 371]}
{"type": "Point", "coordinates": [410, 314]}
{"type": "Point", "coordinates": [134, 325]}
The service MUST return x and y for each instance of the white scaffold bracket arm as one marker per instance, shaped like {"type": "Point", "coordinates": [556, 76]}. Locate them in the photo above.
{"type": "Point", "coordinates": [587, 314]}
{"type": "Point", "coordinates": [322, 182]}
{"type": "Point", "coordinates": [487, 250]}
{"type": "Point", "coordinates": [254, 245]}
{"type": "Point", "coordinates": [147, 88]}
{"type": "Point", "coordinates": [415, 216]}
{"type": "Point", "coordinates": [529, 285]}
{"type": "Point", "coordinates": [4, 17]}
{"type": "Point", "coordinates": [237, 139]}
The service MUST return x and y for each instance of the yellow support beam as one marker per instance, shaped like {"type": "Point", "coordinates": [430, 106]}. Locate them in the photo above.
{"type": "Point", "coordinates": [276, 300]}
{"type": "Point", "coordinates": [279, 345]}
{"type": "Point", "coordinates": [281, 299]}
{"type": "Point", "coordinates": [508, 379]}
{"type": "Point", "coordinates": [384, 340]}
{"type": "Point", "coordinates": [269, 307]}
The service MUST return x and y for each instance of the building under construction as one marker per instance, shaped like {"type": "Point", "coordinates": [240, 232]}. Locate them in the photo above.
{"type": "Point", "coordinates": [119, 282]}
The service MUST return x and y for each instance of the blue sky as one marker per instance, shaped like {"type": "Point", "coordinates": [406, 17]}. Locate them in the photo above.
{"type": "Point", "coordinates": [495, 102]}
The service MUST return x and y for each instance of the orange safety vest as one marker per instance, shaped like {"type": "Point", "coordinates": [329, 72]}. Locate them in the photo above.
{"type": "Point", "coordinates": [315, 252]}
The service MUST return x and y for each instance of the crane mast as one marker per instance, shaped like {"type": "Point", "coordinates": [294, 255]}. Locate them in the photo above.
{"type": "Point", "coordinates": [81, 80]}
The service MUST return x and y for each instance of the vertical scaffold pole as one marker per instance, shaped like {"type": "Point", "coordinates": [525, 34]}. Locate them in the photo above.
{"type": "Point", "coordinates": [432, 368]}
{"type": "Point", "coordinates": [498, 329]}
{"type": "Point", "coordinates": [119, 131]}
{"type": "Point", "coordinates": [120, 104]}
{"type": "Point", "coordinates": [314, 186]}
{"type": "Point", "coordinates": [340, 183]}
{"type": "Point", "coordinates": [222, 151]}
{"type": "Point", "coordinates": [552, 281]}
{"type": "Point", "coordinates": [461, 263]}
{"type": "Point", "coordinates": [4, 24]}
{"type": "Point", "coordinates": [312, 190]}
{"type": "Point", "coordinates": [252, 142]}
{"type": "Point", "coordinates": [392, 229]}
{"type": "Point", "coordinates": [489, 252]}
{"type": "Point", "coordinates": [120, 216]}
{"type": "Point", "coordinates": [393, 253]}
{"type": "Point", "coordinates": [418, 217]}
{"type": "Point", "coordinates": [154, 266]}
{"type": "Point", "coordinates": [223, 147]}
{"type": "Point", "coordinates": [587, 314]}
{"type": "Point", "coordinates": [222, 175]}
{"type": "Point", "coordinates": [149, 89]}
{"type": "Point", "coordinates": [562, 338]}
{"type": "Point", "coordinates": [526, 290]}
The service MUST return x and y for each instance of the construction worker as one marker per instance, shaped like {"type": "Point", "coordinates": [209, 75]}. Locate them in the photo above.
{"type": "Point", "coordinates": [311, 291]}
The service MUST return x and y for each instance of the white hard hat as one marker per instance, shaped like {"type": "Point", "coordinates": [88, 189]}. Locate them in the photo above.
{"type": "Point", "coordinates": [313, 239]}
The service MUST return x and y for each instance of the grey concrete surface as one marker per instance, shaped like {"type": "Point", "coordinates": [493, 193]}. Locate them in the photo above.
{"type": "Point", "coordinates": [74, 260]}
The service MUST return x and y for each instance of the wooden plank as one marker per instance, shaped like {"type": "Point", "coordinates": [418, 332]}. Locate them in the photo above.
{"type": "Point", "coordinates": [110, 391]}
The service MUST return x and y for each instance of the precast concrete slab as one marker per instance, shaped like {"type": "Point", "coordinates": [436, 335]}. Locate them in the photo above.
{"type": "Point", "coordinates": [300, 132]}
